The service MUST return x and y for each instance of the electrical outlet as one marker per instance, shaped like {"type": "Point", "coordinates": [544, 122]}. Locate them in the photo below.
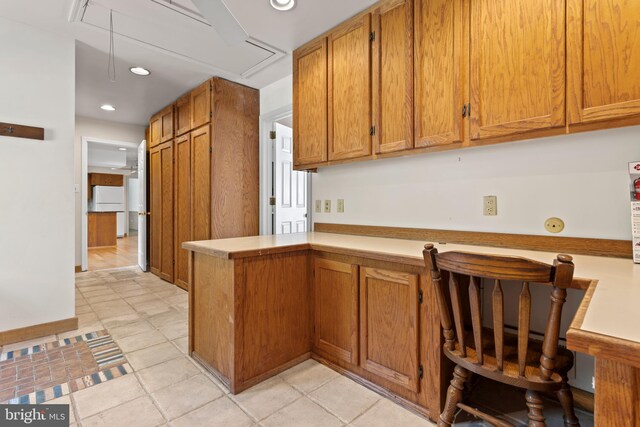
{"type": "Point", "coordinates": [554, 225]}
{"type": "Point", "coordinates": [340, 206]}
{"type": "Point", "coordinates": [490, 205]}
{"type": "Point", "coordinates": [327, 206]}
{"type": "Point", "coordinates": [318, 206]}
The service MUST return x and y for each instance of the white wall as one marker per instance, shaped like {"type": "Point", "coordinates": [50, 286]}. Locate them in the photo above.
{"type": "Point", "coordinates": [277, 95]}
{"type": "Point", "coordinates": [581, 178]}
{"type": "Point", "coordinates": [100, 129]}
{"type": "Point", "coordinates": [37, 88]}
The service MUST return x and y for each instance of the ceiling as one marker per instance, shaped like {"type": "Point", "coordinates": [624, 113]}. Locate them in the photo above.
{"type": "Point", "coordinates": [101, 155]}
{"type": "Point", "coordinates": [171, 38]}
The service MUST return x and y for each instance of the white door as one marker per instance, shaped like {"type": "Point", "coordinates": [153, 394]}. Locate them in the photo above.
{"type": "Point", "coordinates": [142, 206]}
{"type": "Point", "coordinates": [290, 187]}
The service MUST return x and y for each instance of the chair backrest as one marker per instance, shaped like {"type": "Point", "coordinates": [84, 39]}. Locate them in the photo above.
{"type": "Point", "coordinates": [475, 267]}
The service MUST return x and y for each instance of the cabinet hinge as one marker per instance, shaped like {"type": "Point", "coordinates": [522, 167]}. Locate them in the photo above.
{"type": "Point", "coordinates": [372, 131]}
{"type": "Point", "coordinates": [420, 371]}
{"type": "Point", "coordinates": [210, 149]}
{"type": "Point", "coordinates": [272, 134]}
{"type": "Point", "coordinates": [210, 114]}
{"type": "Point", "coordinates": [420, 296]}
{"type": "Point", "coordinates": [466, 110]}
{"type": "Point", "coordinates": [372, 36]}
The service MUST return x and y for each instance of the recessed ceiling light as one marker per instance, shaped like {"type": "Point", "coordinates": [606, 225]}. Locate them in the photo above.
{"type": "Point", "coordinates": [113, 169]}
{"type": "Point", "coordinates": [122, 149]}
{"type": "Point", "coordinates": [140, 71]}
{"type": "Point", "coordinates": [108, 107]}
{"type": "Point", "coordinates": [282, 4]}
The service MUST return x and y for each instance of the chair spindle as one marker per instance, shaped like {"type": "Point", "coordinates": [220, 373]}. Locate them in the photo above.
{"type": "Point", "coordinates": [498, 323]}
{"type": "Point", "coordinates": [524, 322]}
{"type": "Point", "coordinates": [456, 303]}
{"type": "Point", "coordinates": [476, 319]}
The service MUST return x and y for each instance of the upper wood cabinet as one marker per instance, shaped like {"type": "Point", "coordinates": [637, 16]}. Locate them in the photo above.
{"type": "Point", "coordinates": [392, 71]}
{"type": "Point", "coordinates": [439, 70]}
{"type": "Point", "coordinates": [166, 124]}
{"type": "Point", "coordinates": [310, 103]}
{"type": "Point", "coordinates": [201, 183]}
{"type": "Point", "coordinates": [183, 114]}
{"type": "Point", "coordinates": [389, 320]}
{"type": "Point", "coordinates": [603, 59]}
{"type": "Point", "coordinates": [335, 290]}
{"type": "Point", "coordinates": [517, 69]}
{"type": "Point", "coordinates": [350, 121]}
{"type": "Point", "coordinates": [201, 105]}
{"type": "Point", "coordinates": [182, 208]}
{"type": "Point", "coordinates": [155, 125]}
{"type": "Point", "coordinates": [106, 179]}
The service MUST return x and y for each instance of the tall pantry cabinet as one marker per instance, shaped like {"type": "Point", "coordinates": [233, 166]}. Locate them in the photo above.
{"type": "Point", "coordinates": [204, 181]}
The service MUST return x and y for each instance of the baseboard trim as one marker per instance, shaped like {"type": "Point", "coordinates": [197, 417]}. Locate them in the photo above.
{"type": "Point", "coordinates": [37, 331]}
{"type": "Point", "coordinates": [78, 268]}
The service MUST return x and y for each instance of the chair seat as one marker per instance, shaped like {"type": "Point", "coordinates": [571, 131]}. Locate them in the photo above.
{"type": "Point", "coordinates": [532, 379]}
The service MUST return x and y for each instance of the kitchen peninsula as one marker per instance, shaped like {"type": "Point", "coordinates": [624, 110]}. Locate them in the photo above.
{"type": "Point", "coordinates": [365, 307]}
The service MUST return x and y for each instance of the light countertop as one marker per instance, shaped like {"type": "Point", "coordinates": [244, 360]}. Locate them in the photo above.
{"type": "Point", "coordinates": [613, 310]}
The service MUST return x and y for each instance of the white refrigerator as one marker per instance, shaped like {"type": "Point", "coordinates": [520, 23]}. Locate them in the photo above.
{"type": "Point", "coordinates": [110, 199]}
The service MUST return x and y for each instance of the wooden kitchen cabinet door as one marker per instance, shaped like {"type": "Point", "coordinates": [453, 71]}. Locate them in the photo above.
{"type": "Point", "coordinates": [603, 59]}
{"type": "Point", "coordinates": [154, 130]}
{"type": "Point", "coordinates": [389, 320]}
{"type": "Point", "coordinates": [517, 66]}
{"type": "Point", "coordinates": [392, 71]}
{"type": "Point", "coordinates": [336, 309]}
{"type": "Point", "coordinates": [350, 121]}
{"type": "Point", "coordinates": [310, 103]}
{"type": "Point", "coordinates": [182, 208]}
{"type": "Point", "coordinates": [201, 105]}
{"type": "Point", "coordinates": [201, 183]}
{"type": "Point", "coordinates": [161, 230]}
{"type": "Point", "coordinates": [183, 115]}
{"type": "Point", "coordinates": [166, 124]}
{"type": "Point", "coordinates": [439, 69]}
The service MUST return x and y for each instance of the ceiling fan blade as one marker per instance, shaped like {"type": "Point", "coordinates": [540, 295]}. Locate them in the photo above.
{"type": "Point", "coordinates": [222, 20]}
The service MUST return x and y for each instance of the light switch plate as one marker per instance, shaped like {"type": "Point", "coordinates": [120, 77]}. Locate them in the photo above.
{"type": "Point", "coordinates": [340, 206]}
{"type": "Point", "coordinates": [490, 205]}
{"type": "Point", "coordinates": [327, 206]}
{"type": "Point", "coordinates": [76, 188]}
{"type": "Point", "coordinates": [318, 206]}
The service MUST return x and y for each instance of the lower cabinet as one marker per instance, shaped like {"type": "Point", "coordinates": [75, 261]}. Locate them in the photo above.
{"type": "Point", "coordinates": [371, 320]}
{"type": "Point", "coordinates": [389, 326]}
{"type": "Point", "coordinates": [336, 309]}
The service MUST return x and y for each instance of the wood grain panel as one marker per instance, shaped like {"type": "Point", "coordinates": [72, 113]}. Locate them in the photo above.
{"type": "Point", "coordinates": [102, 229]}
{"type": "Point", "coordinates": [603, 59]}
{"type": "Point", "coordinates": [617, 397]}
{"type": "Point", "coordinates": [310, 103]}
{"type": "Point", "coordinates": [201, 105]}
{"type": "Point", "coordinates": [335, 288]}
{"type": "Point", "coordinates": [392, 71]}
{"type": "Point", "coordinates": [201, 183]}
{"type": "Point", "coordinates": [389, 320]}
{"type": "Point", "coordinates": [154, 130]}
{"type": "Point", "coordinates": [573, 245]}
{"type": "Point", "coordinates": [235, 166]}
{"type": "Point", "coordinates": [107, 179]}
{"type": "Point", "coordinates": [166, 124]}
{"type": "Point", "coordinates": [183, 114]}
{"type": "Point", "coordinates": [155, 209]}
{"type": "Point", "coordinates": [274, 313]}
{"type": "Point", "coordinates": [349, 118]}
{"type": "Point", "coordinates": [438, 91]}
{"type": "Point", "coordinates": [517, 66]}
{"type": "Point", "coordinates": [166, 211]}
{"type": "Point", "coordinates": [182, 208]}
{"type": "Point", "coordinates": [21, 131]}
{"type": "Point", "coordinates": [212, 310]}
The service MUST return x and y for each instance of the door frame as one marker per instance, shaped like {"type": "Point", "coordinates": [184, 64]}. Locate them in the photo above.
{"type": "Point", "coordinates": [266, 173]}
{"type": "Point", "coordinates": [84, 192]}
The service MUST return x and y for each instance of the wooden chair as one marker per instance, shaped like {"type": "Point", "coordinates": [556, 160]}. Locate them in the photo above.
{"type": "Point", "coordinates": [517, 360]}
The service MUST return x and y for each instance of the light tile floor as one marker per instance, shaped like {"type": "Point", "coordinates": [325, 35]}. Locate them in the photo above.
{"type": "Point", "coordinates": [147, 317]}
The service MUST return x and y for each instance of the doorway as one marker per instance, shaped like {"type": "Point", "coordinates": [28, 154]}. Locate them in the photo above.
{"type": "Point", "coordinates": [285, 192]}
{"type": "Point", "coordinates": [110, 204]}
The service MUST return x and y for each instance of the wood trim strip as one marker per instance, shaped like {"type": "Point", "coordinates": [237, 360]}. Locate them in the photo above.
{"type": "Point", "coordinates": [573, 245]}
{"type": "Point", "coordinates": [37, 331]}
{"type": "Point", "coordinates": [78, 269]}
{"type": "Point", "coordinates": [21, 131]}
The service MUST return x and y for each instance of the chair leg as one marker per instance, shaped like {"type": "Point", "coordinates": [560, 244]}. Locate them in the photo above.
{"type": "Point", "coordinates": [454, 396]}
{"type": "Point", "coordinates": [536, 415]}
{"type": "Point", "coordinates": [566, 401]}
